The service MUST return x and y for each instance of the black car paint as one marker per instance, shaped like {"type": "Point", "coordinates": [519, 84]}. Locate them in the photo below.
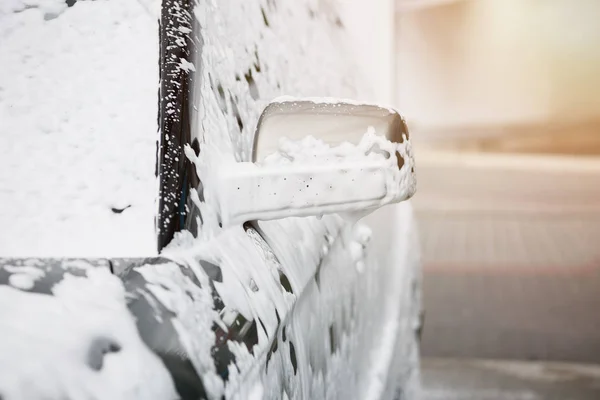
{"type": "Point", "coordinates": [153, 320]}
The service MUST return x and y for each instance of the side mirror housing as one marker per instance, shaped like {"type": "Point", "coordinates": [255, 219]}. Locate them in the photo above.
{"type": "Point", "coordinates": [319, 156]}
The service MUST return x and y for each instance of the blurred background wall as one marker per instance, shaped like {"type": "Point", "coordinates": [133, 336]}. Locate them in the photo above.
{"type": "Point", "coordinates": [484, 62]}
{"type": "Point", "coordinates": [480, 62]}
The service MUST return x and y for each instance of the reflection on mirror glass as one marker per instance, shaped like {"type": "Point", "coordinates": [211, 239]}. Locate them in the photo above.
{"type": "Point", "coordinates": [330, 120]}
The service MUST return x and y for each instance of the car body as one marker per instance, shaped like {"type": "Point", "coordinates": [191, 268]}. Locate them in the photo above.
{"type": "Point", "coordinates": [312, 307]}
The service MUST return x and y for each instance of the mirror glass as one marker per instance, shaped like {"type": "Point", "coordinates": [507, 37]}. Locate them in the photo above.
{"type": "Point", "coordinates": [331, 121]}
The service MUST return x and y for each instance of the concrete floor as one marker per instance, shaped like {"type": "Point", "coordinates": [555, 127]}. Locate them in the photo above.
{"type": "Point", "coordinates": [453, 379]}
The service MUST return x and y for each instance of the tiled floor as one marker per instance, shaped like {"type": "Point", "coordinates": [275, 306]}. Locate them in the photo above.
{"type": "Point", "coordinates": [519, 288]}
{"type": "Point", "coordinates": [510, 285]}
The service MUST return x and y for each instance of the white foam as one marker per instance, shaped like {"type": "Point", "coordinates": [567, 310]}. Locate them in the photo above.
{"type": "Point", "coordinates": [47, 340]}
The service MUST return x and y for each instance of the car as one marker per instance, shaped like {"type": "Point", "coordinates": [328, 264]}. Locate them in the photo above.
{"type": "Point", "coordinates": [288, 260]}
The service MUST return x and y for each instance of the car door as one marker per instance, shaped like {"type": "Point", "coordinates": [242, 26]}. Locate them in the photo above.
{"type": "Point", "coordinates": [340, 313]}
{"type": "Point", "coordinates": [352, 324]}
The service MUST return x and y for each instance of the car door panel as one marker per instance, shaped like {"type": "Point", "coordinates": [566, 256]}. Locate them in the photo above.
{"type": "Point", "coordinates": [240, 63]}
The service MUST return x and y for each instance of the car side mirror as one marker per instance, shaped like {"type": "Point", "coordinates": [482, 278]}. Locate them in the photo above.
{"type": "Point", "coordinates": [318, 156]}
